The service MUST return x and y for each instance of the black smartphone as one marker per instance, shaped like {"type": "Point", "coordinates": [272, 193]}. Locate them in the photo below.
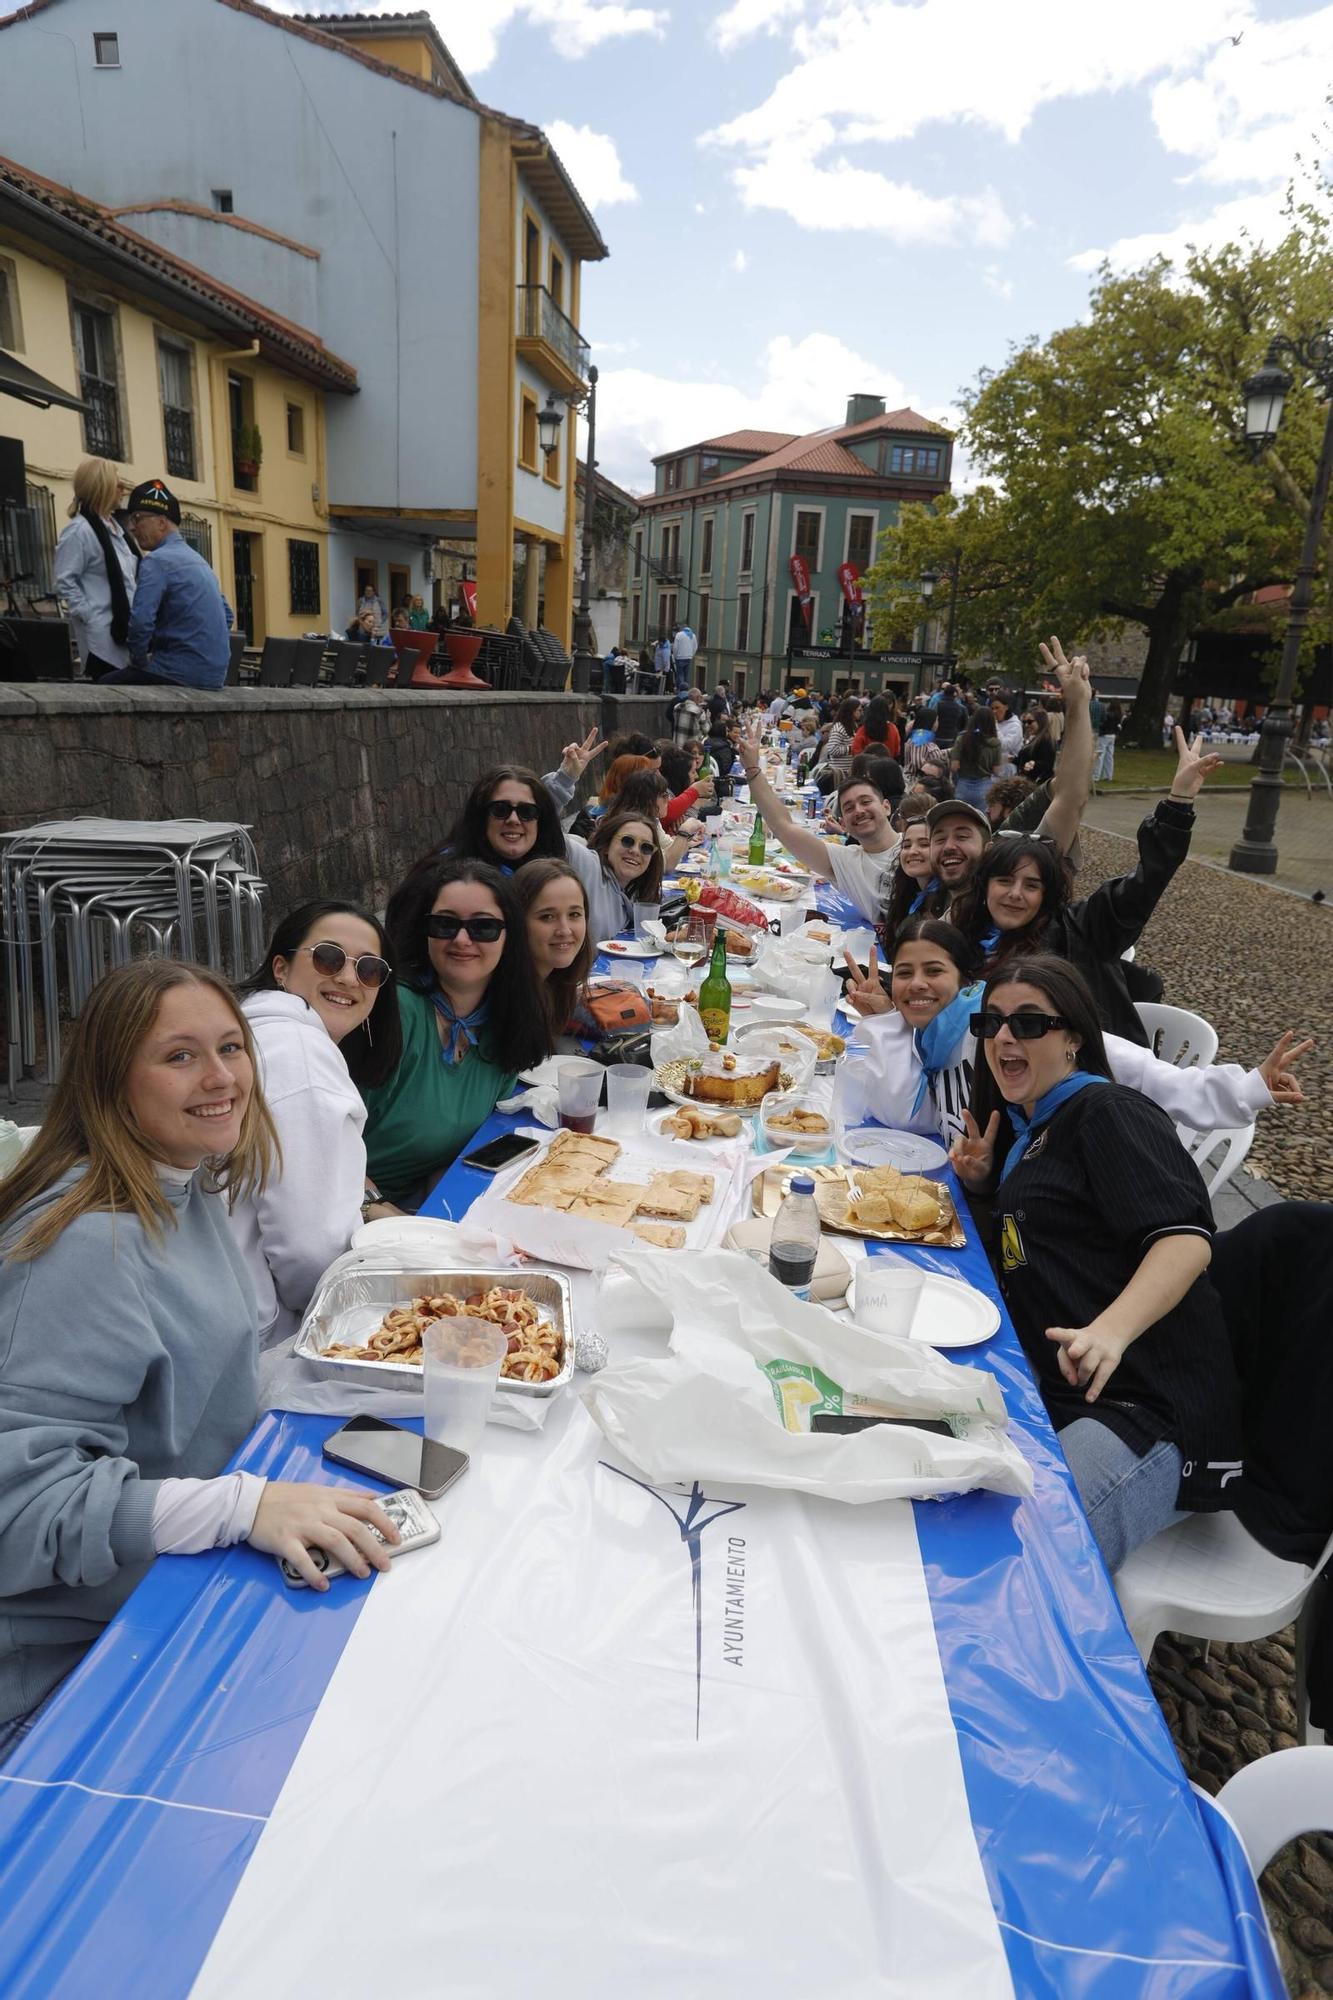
{"type": "Point", "coordinates": [501, 1152]}
{"type": "Point", "coordinates": [825, 1421]}
{"type": "Point", "coordinates": [397, 1456]}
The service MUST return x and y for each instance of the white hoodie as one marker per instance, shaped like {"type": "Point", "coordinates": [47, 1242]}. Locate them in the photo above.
{"type": "Point", "coordinates": [292, 1232]}
{"type": "Point", "coordinates": [884, 1084]}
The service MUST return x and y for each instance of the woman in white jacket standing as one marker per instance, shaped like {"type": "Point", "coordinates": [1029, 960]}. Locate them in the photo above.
{"type": "Point", "coordinates": [309, 1008]}
{"type": "Point", "coordinates": [96, 567]}
{"type": "Point", "coordinates": [917, 1074]}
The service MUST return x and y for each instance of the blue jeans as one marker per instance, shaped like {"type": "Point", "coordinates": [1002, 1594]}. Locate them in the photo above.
{"type": "Point", "coordinates": [683, 669]}
{"type": "Point", "coordinates": [1127, 1500]}
{"type": "Point", "coordinates": [973, 791]}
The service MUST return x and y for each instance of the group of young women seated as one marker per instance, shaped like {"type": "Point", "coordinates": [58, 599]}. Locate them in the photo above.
{"type": "Point", "coordinates": [206, 1156]}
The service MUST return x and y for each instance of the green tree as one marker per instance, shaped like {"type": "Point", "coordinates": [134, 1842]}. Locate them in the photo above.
{"type": "Point", "coordinates": [1118, 488]}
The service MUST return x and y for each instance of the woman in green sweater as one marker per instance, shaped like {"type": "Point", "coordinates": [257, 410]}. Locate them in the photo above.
{"type": "Point", "coordinates": [471, 1018]}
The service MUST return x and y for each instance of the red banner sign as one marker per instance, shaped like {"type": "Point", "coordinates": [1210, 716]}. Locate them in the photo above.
{"type": "Point", "coordinates": [849, 576]}
{"type": "Point", "coordinates": [800, 577]}
{"type": "Point", "coordinates": [467, 591]}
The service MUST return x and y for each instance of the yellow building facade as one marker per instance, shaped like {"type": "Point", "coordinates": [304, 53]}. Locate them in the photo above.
{"type": "Point", "coordinates": [183, 380]}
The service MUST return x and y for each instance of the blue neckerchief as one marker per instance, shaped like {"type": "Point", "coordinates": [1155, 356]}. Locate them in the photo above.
{"type": "Point", "coordinates": [936, 1042]}
{"type": "Point", "coordinates": [459, 1028]}
{"type": "Point", "coordinates": [922, 895]}
{"type": "Point", "coordinates": [989, 942]}
{"type": "Point", "coordinates": [1045, 1107]}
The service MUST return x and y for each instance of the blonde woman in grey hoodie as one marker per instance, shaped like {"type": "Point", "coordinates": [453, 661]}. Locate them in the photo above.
{"type": "Point", "coordinates": [319, 1035]}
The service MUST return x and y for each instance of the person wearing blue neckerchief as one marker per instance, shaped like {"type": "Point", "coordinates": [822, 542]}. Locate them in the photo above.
{"type": "Point", "coordinates": [469, 1024]}
{"type": "Point", "coordinates": [1104, 1237]}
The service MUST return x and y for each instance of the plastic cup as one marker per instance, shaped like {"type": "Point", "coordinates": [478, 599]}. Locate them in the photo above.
{"type": "Point", "coordinates": [462, 1368]}
{"type": "Point", "coordinates": [580, 1085]}
{"type": "Point", "coordinates": [627, 1097]}
{"type": "Point", "coordinates": [886, 1291]}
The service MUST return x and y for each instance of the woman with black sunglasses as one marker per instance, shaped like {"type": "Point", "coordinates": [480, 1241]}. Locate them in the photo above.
{"type": "Point", "coordinates": [469, 1022]}
{"type": "Point", "coordinates": [309, 1008]}
{"type": "Point", "coordinates": [1104, 1239]}
{"type": "Point", "coordinates": [620, 867]}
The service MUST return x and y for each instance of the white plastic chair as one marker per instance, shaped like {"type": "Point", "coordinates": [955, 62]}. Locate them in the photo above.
{"type": "Point", "coordinates": [1277, 1798]}
{"type": "Point", "coordinates": [1177, 1036]}
{"type": "Point", "coordinates": [1234, 1143]}
{"type": "Point", "coordinates": [1206, 1576]}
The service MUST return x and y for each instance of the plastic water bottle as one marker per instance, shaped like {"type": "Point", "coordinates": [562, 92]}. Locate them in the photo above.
{"type": "Point", "coordinates": [794, 1245]}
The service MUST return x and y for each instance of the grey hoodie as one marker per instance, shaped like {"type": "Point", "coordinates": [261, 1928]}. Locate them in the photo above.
{"type": "Point", "coordinates": [123, 1362]}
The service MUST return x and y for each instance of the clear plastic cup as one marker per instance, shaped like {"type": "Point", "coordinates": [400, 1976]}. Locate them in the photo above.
{"type": "Point", "coordinates": [462, 1368]}
{"type": "Point", "coordinates": [627, 1087]}
{"type": "Point", "coordinates": [886, 1291]}
{"type": "Point", "coordinates": [580, 1085]}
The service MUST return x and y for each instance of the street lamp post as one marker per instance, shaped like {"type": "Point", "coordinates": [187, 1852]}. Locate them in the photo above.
{"type": "Point", "coordinates": [1255, 853]}
{"type": "Point", "coordinates": [584, 652]}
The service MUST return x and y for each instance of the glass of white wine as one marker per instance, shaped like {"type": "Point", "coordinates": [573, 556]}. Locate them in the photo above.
{"type": "Point", "coordinates": [690, 942]}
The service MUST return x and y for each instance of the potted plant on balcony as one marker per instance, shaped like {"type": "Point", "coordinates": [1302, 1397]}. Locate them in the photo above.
{"type": "Point", "coordinates": [247, 451]}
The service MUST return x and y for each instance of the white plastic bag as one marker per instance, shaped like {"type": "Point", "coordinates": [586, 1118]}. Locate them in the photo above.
{"type": "Point", "coordinates": [683, 1039]}
{"type": "Point", "coordinates": [708, 1412]}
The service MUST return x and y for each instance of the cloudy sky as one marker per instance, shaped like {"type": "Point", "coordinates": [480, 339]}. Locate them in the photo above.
{"type": "Point", "coordinates": [806, 198]}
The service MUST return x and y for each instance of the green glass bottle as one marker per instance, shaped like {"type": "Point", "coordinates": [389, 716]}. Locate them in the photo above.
{"type": "Point", "coordinates": [715, 993]}
{"type": "Point", "coordinates": [758, 843]}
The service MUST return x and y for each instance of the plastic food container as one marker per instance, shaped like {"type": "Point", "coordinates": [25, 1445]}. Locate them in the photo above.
{"type": "Point", "coordinates": [347, 1311]}
{"type": "Point", "coordinates": [786, 1105]}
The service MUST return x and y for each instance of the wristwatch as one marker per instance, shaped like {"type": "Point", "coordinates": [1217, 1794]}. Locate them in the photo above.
{"type": "Point", "coordinates": [369, 1199]}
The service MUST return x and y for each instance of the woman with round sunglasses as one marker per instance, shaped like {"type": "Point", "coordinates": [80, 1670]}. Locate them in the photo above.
{"type": "Point", "coordinates": [1104, 1238]}
{"type": "Point", "coordinates": [620, 867]}
{"type": "Point", "coordinates": [918, 1072]}
{"type": "Point", "coordinates": [465, 1001]}
{"type": "Point", "coordinates": [310, 1011]}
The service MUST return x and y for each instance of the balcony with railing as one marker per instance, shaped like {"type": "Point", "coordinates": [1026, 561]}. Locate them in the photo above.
{"type": "Point", "coordinates": [549, 339]}
{"type": "Point", "coordinates": [101, 418]}
{"type": "Point", "coordinates": [178, 426]}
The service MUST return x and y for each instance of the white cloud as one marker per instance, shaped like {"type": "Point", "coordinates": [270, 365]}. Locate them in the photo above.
{"type": "Point", "coordinates": [966, 63]}
{"type": "Point", "coordinates": [794, 385]}
{"type": "Point", "coordinates": [739, 260]}
{"type": "Point", "coordinates": [993, 278]}
{"type": "Point", "coordinates": [471, 28]}
{"type": "Point", "coordinates": [593, 163]}
{"type": "Point", "coordinates": [751, 17]}
{"type": "Point", "coordinates": [1256, 215]}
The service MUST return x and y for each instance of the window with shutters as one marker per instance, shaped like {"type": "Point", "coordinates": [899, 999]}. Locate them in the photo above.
{"type": "Point", "coordinates": [99, 381]}
{"type": "Point", "coordinates": [706, 548]}
{"type": "Point", "coordinates": [861, 541]}
{"type": "Point", "coordinates": [747, 542]}
{"type": "Point", "coordinates": [303, 566]}
{"type": "Point", "coordinates": [175, 381]}
{"type": "Point", "coordinates": [806, 545]}
{"type": "Point", "coordinates": [742, 621]}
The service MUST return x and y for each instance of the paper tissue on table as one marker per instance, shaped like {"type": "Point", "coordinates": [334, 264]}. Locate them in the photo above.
{"type": "Point", "coordinates": [746, 1362]}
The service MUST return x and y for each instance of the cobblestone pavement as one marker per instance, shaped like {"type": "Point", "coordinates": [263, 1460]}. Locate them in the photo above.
{"type": "Point", "coordinates": [1303, 837]}
{"type": "Point", "coordinates": [1252, 961]}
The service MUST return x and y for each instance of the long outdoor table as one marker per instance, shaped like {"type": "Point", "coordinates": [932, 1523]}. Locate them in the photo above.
{"type": "Point", "coordinates": [522, 1762]}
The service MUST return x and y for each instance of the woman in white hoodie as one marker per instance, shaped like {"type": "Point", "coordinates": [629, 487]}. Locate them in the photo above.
{"type": "Point", "coordinates": [917, 1074]}
{"type": "Point", "coordinates": [309, 1008]}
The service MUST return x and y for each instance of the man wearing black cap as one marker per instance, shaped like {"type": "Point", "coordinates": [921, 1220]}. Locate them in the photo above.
{"type": "Point", "coordinates": [181, 623]}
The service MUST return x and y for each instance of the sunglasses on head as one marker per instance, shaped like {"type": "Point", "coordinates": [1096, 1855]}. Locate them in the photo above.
{"type": "Point", "coordinates": [1023, 1027]}
{"type": "Point", "coordinates": [330, 958]}
{"type": "Point", "coordinates": [481, 930]}
{"type": "Point", "coordinates": [512, 809]}
{"type": "Point", "coordinates": [629, 845]}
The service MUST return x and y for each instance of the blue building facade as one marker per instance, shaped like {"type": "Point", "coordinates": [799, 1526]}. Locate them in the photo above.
{"type": "Point", "coordinates": [736, 522]}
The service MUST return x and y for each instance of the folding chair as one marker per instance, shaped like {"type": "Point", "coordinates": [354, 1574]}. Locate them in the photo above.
{"type": "Point", "coordinates": [1177, 1036]}
{"type": "Point", "coordinates": [380, 663]}
{"type": "Point", "coordinates": [349, 660]}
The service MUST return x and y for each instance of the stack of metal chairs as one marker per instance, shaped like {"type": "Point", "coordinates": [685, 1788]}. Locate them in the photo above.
{"type": "Point", "coordinates": [79, 897]}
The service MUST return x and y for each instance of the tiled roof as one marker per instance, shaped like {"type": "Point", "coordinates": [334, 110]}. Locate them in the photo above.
{"type": "Point", "coordinates": [594, 242]}
{"type": "Point", "coordinates": [747, 441]}
{"type": "Point", "coordinates": [819, 452]}
{"type": "Point", "coordinates": [893, 420]}
{"type": "Point", "coordinates": [375, 25]}
{"type": "Point", "coordinates": [286, 343]}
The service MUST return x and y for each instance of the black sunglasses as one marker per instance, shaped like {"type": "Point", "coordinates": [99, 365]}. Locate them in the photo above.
{"type": "Point", "coordinates": [1023, 1027]}
{"type": "Point", "coordinates": [330, 958]}
{"type": "Point", "coordinates": [481, 930]}
{"type": "Point", "coordinates": [512, 809]}
{"type": "Point", "coordinates": [629, 845]}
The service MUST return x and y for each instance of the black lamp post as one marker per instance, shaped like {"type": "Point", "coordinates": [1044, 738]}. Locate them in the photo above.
{"type": "Point", "coordinates": [584, 649]}
{"type": "Point", "coordinates": [1255, 853]}
{"type": "Point", "coordinates": [549, 421]}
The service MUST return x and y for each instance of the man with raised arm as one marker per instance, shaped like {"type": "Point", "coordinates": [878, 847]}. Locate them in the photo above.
{"type": "Point", "coordinates": [858, 871]}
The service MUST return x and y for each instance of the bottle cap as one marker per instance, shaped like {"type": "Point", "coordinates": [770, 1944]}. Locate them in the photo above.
{"type": "Point", "coordinates": [800, 1184]}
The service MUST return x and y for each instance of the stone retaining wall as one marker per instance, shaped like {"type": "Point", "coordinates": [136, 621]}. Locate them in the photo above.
{"type": "Point", "coordinates": [342, 788]}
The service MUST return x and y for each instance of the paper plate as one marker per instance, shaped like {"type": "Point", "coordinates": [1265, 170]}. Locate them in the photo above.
{"type": "Point", "coordinates": [910, 1152]}
{"type": "Point", "coordinates": [951, 1314]}
{"type": "Point", "coordinates": [629, 948]}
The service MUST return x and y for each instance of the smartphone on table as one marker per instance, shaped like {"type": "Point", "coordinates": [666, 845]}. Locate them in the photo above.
{"type": "Point", "coordinates": [397, 1456]}
{"type": "Point", "coordinates": [498, 1153]}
